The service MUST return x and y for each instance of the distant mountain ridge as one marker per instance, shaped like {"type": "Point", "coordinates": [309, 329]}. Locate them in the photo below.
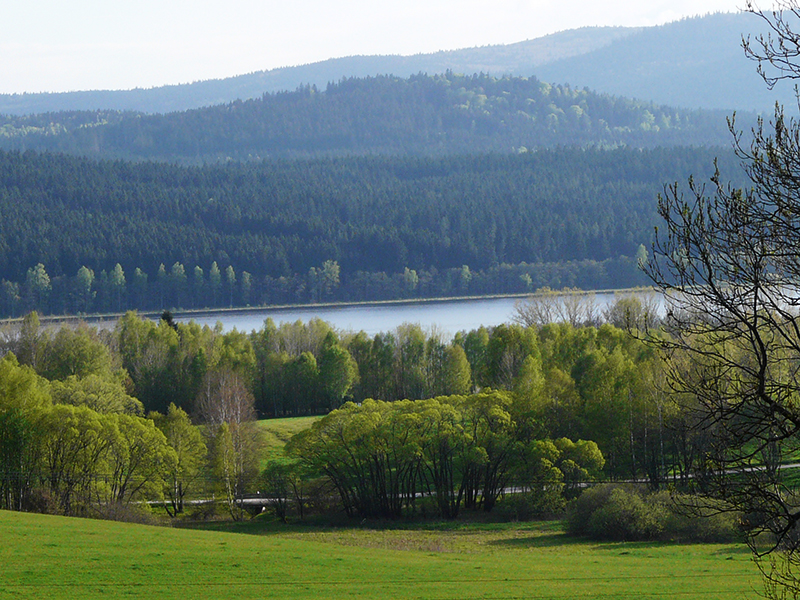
{"type": "Point", "coordinates": [516, 58]}
{"type": "Point", "coordinates": [692, 63]}
{"type": "Point", "coordinates": [697, 63]}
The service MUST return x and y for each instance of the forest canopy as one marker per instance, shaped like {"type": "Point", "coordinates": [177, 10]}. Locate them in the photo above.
{"type": "Point", "coordinates": [80, 235]}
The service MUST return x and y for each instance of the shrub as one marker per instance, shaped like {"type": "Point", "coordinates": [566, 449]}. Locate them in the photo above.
{"type": "Point", "coordinates": [625, 516]}
{"type": "Point", "coordinates": [626, 513]}
{"type": "Point", "coordinates": [699, 520]}
{"type": "Point", "coordinates": [531, 505]}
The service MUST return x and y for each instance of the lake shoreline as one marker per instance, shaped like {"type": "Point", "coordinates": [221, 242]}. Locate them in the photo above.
{"type": "Point", "coordinates": [452, 313]}
{"type": "Point", "coordinates": [246, 310]}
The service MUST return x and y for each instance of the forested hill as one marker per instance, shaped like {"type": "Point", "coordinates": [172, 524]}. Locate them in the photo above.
{"type": "Point", "coordinates": [345, 228]}
{"type": "Point", "coordinates": [421, 115]}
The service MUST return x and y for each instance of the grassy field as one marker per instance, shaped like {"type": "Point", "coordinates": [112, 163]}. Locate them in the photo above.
{"type": "Point", "coordinates": [276, 432]}
{"type": "Point", "coordinates": [45, 556]}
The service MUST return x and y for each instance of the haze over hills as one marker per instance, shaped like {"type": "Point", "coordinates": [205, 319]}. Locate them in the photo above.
{"type": "Point", "coordinates": [696, 63]}
{"type": "Point", "coordinates": [519, 58]}
{"type": "Point", "coordinates": [691, 63]}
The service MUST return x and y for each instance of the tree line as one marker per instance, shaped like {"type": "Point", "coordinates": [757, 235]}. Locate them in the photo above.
{"type": "Point", "coordinates": [84, 236]}
{"type": "Point", "coordinates": [386, 458]}
{"type": "Point", "coordinates": [96, 420]}
{"type": "Point", "coordinates": [179, 288]}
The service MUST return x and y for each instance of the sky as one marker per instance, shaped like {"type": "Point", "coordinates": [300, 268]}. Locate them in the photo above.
{"type": "Point", "coordinates": [56, 46]}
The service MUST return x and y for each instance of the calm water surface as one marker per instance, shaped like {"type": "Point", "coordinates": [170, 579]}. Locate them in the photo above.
{"type": "Point", "coordinates": [449, 317]}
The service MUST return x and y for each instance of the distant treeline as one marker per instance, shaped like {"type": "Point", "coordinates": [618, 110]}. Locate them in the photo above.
{"type": "Point", "coordinates": [79, 235]}
{"type": "Point", "coordinates": [421, 115]}
{"type": "Point", "coordinates": [180, 288]}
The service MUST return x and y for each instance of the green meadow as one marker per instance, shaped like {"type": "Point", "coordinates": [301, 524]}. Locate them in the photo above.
{"type": "Point", "coordinates": [276, 432]}
{"type": "Point", "coordinates": [56, 557]}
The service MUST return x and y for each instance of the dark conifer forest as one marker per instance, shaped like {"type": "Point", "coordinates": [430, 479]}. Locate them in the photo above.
{"type": "Point", "coordinates": [80, 235]}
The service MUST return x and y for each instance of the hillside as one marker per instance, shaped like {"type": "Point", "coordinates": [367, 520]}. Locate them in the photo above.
{"type": "Point", "coordinates": [80, 558]}
{"type": "Point", "coordinates": [421, 115]}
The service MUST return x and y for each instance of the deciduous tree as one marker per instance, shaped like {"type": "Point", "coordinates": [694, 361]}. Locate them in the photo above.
{"type": "Point", "coordinates": [190, 450]}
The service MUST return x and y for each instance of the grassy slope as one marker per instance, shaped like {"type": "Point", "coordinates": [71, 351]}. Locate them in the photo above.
{"type": "Point", "coordinates": [276, 432]}
{"type": "Point", "coordinates": [45, 556]}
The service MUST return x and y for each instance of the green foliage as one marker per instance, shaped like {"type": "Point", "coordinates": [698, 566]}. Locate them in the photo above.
{"type": "Point", "coordinates": [458, 450]}
{"type": "Point", "coordinates": [306, 369]}
{"type": "Point", "coordinates": [75, 446]}
{"type": "Point", "coordinates": [626, 513]}
{"type": "Point", "coordinates": [226, 407]}
{"type": "Point", "coordinates": [579, 461]}
{"type": "Point", "coordinates": [283, 483]}
{"type": "Point", "coordinates": [456, 372]}
{"type": "Point", "coordinates": [624, 516]}
{"type": "Point", "coordinates": [233, 457]}
{"type": "Point", "coordinates": [19, 446]}
{"type": "Point", "coordinates": [190, 452]}
{"type": "Point", "coordinates": [146, 350]}
{"type": "Point", "coordinates": [37, 286]}
{"type": "Point", "coordinates": [21, 389]}
{"type": "Point", "coordinates": [167, 364]}
{"type": "Point", "coordinates": [104, 395]}
{"type": "Point", "coordinates": [138, 459]}
{"type": "Point", "coordinates": [338, 372]}
{"type": "Point", "coordinates": [564, 383]}
{"type": "Point", "coordinates": [75, 441]}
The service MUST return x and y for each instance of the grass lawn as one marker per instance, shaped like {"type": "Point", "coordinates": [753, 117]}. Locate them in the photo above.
{"type": "Point", "coordinates": [45, 556]}
{"type": "Point", "coordinates": [276, 432]}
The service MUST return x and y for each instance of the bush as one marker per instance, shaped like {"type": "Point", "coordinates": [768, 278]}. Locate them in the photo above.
{"type": "Point", "coordinates": [531, 505]}
{"type": "Point", "coordinates": [626, 513]}
{"type": "Point", "coordinates": [626, 516]}
{"type": "Point", "coordinates": [699, 520]}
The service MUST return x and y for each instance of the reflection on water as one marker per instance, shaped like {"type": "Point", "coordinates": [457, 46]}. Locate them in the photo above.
{"type": "Point", "coordinates": [448, 317]}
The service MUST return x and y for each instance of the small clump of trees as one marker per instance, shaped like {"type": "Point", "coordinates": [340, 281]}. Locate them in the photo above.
{"type": "Point", "coordinates": [390, 459]}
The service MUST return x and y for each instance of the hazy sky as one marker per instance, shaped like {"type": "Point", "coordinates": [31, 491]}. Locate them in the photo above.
{"type": "Point", "coordinates": [58, 45]}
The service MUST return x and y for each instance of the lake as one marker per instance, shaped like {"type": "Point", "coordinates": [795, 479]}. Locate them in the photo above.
{"type": "Point", "coordinates": [449, 317]}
